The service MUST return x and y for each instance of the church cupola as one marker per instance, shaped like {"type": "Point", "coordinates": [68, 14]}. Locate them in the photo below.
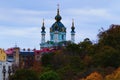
{"type": "Point", "coordinates": [58, 17]}
{"type": "Point", "coordinates": [57, 30]}
{"type": "Point", "coordinates": [73, 32]}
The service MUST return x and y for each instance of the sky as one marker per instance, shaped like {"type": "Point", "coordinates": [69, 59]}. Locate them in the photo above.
{"type": "Point", "coordinates": [21, 20]}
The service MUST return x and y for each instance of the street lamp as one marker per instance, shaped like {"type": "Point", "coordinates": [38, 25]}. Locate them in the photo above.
{"type": "Point", "coordinates": [4, 72]}
{"type": "Point", "coordinates": [9, 71]}
{"type": "Point", "coordinates": [13, 69]}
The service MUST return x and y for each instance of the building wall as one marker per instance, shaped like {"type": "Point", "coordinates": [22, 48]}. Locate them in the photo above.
{"type": "Point", "coordinates": [38, 55]}
{"type": "Point", "coordinates": [9, 54]}
{"type": "Point", "coordinates": [26, 58]}
{"type": "Point", "coordinates": [6, 64]}
{"type": "Point", "coordinates": [2, 55]}
{"type": "Point", "coordinates": [16, 55]}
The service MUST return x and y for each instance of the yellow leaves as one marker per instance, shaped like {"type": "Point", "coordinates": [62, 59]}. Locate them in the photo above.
{"type": "Point", "coordinates": [114, 76]}
{"type": "Point", "coordinates": [94, 76]}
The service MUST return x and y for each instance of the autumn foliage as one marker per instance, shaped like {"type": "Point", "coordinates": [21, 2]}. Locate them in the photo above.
{"type": "Point", "coordinates": [94, 76]}
{"type": "Point", "coordinates": [85, 60]}
{"type": "Point", "coordinates": [97, 76]}
{"type": "Point", "coordinates": [114, 76]}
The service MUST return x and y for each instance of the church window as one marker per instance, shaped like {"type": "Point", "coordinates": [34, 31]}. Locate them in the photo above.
{"type": "Point", "coordinates": [51, 37]}
{"type": "Point", "coordinates": [62, 37]}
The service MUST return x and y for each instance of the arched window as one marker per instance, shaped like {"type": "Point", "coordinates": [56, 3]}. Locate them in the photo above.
{"type": "Point", "coordinates": [62, 37]}
{"type": "Point", "coordinates": [51, 37]}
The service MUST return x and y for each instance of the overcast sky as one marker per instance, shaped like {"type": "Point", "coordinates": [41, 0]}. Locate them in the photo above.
{"type": "Point", "coordinates": [21, 20]}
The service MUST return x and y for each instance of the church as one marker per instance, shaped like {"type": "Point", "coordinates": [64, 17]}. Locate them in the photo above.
{"type": "Point", "coordinates": [57, 33]}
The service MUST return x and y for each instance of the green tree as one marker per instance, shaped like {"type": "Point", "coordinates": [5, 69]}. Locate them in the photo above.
{"type": "Point", "coordinates": [50, 75]}
{"type": "Point", "coordinates": [72, 49]}
{"type": "Point", "coordinates": [47, 59]}
{"type": "Point", "coordinates": [110, 37]}
{"type": "Point", "coordinates": [24, 74]}
{"type": "Point", "coordinates": [66, 73]}
{"type": "Point", "coordinates": [107, 56]}
{"type": "Point", "coordinates": [76, 64]}
{"type": "Point", "coordinates": [86, 47]}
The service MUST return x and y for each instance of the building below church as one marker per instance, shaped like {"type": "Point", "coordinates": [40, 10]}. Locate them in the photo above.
{"type": "Point", "coordinates": [57, 33]}
{"type": "Point", "coordinates": [2, 55]}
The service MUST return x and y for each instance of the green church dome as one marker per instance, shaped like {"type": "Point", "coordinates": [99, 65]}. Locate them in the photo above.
{"type": "Point", "coordinates": [58, 26]}
{"type": "Point", "coordinates": [58, 17]}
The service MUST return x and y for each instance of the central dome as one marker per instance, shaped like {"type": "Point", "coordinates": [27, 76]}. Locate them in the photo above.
{"type": "Point", "coordinates": [58, 26]}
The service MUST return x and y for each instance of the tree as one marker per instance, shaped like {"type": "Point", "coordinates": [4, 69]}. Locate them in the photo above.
{"type": "Point", "coordinates": [110, 37]}
{"type": "Point", "coordinates": [72, 49]}
{"type": "Point", "coordinates": [106, 57]}
{"type": "Point", "coordinates": [37, 66]}
{"type": "Point", "coordinates": [47, 59]}
{"type": "Point", "coordinates": [50, 75]}
{"type": "Point", "coordinates": [24, 74]}
{"type": "Point", "coordinates": [85, 43]}
{"type": "Point", "coordinates": [86, 47]}
{"type": "Point", "coordinates": [76, 64]}
{"type": "Point", "coordinates": [66, 73]}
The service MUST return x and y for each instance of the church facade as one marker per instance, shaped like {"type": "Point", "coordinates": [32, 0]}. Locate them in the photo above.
{"type": "Point", "coordinates": [57, 33]}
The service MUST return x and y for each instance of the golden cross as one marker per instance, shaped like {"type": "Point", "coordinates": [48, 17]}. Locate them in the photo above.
{"type": "Point", "coordinates": [58, 5]}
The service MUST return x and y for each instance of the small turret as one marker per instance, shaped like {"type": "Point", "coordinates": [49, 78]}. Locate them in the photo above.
{"type": "Point", "coordinates": [43, 33]}
{"type": "Point", "coordinates": [73, 32]}
{"type": "Point", "coordinates": [43, 27]}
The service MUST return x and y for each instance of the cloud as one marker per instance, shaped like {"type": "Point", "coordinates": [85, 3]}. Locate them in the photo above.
{"type": "Point", "coordinates": [22, 16]}
{"type": "Point", "coordinates": [18, 32]}
{"type": "Point", "coordinates": [32, 12]}
{"type": "Point", "coordinates": [34, 17]}
{"type": "Point", "coordinates": [91, 14]}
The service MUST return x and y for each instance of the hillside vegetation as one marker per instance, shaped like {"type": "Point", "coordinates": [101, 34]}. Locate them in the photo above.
{"type": "Point", "coordinates": [85, 60]}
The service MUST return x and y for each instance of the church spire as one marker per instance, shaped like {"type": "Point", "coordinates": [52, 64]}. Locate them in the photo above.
{"type": "Point", "coordinates": [43, 33]}
{"type": "Point", "coordinates": [43, 27]}
{"type": "Point", "coordinates": [58, 9]}
{"type": "Point", "coordinates": [43, 21]}
{"type": "Point", "coordinates": [73, 27]}
{"type": "Point", "coordinates": [73, 32]}
{"type": "Point", "coordinates": [73, 22]}
{"type": "Point", "coordinates": [58, 17]}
